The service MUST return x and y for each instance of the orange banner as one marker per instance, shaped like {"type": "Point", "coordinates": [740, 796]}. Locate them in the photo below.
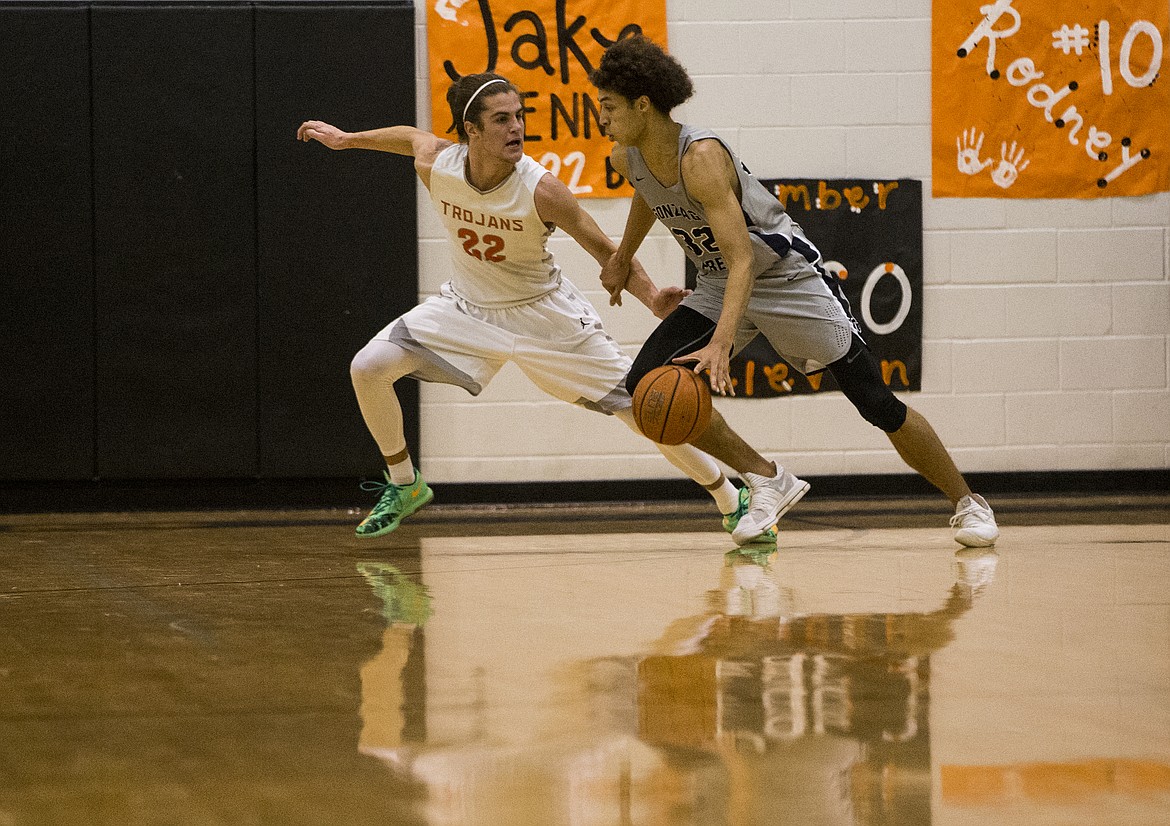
{"type": "Point", "coordinates": [1053, 99]}
{"type": "Point", "coordinates": [547, 48]}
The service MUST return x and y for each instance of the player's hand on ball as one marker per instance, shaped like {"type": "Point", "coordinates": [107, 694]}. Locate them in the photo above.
{"type": "Point", "coordinates": [716, 360]}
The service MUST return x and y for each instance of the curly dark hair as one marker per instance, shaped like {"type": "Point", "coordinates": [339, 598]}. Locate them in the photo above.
{"type": "Point", "coordinates": [462, 90]}
{"type": "Point", "coordinates": [636, 66]}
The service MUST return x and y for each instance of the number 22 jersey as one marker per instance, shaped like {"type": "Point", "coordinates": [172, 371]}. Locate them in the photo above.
{"type": "Point", "coordinates": [499, 244]}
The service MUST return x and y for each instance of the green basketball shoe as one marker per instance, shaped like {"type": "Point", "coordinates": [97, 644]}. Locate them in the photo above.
{"type": "Point", "coordinates": [730, 520]}
{"type": "Point", "coordinates": [396, 503]}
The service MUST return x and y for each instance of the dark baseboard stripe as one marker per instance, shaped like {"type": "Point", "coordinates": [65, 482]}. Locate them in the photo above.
{"type": "Point", "coordinates": [251, 494]}
{"type": "Point", "coordinates": [835, 487]}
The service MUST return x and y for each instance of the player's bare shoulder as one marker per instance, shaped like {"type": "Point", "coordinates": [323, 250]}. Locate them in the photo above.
{"type": "Point", "coordinates": [707, 167]}
{"type": "Point", "coordinates": [707, 156]}
{"type": "Point", "coordinates": [426, 149]}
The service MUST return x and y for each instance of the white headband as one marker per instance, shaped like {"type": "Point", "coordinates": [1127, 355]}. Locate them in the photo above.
{"type": "Point", "coordinates": [477, 91]}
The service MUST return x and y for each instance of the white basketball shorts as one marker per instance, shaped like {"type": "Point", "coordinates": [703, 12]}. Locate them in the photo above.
{"type": "Point", "coordinates": [557, 341]}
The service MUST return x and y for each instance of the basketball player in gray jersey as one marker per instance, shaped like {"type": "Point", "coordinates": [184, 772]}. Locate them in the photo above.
{"type": "Point", "coordinates": [757, 274]}
{"type": "Point", "coordinates": [507, 299]}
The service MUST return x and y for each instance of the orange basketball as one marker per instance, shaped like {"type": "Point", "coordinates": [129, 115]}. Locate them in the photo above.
{"type": "Point", "coordinates": [672, 405]}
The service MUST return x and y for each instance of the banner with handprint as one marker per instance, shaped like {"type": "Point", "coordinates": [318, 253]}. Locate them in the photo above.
{"type": "Point", "coordinates": [547, 48]}
{"type": "Point", "coordinates": [1061, 99]}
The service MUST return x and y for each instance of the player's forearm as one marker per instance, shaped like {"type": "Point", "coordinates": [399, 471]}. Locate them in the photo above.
{"type": "Point", "coordinates": [638, 223]}
{"type": "Point", "coordinates": [736, 296]}
{"type": "Point", "coordinates": [401, 140]}
{"type": "Point", "coordinates": [640, 285]}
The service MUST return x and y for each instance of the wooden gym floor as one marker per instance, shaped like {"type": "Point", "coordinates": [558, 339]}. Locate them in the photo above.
{"type": "Point", "coordinates": [588, 665]}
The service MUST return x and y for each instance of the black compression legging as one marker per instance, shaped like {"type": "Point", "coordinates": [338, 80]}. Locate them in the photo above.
{"type": "Point", "coordinates": [682, 332]}
{"type": "Point", "coordinates": [857, 373]}
{"type": "Point", "coordinates": [860, 379]}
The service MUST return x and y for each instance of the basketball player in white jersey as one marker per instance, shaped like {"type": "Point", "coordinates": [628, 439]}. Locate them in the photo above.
{"type": "Point", "coordinates": [507, 299]}
{"type": "Point", "coordinates": [757, 274]}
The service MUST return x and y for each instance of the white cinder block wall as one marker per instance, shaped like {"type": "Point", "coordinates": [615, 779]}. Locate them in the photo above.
{"type": "Point", "coordinates": [1046, 323]}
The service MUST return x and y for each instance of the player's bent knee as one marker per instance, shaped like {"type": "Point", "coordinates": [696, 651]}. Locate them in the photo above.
{"type": "Point", "coordinates": [364, 367]}
{"type": "Point", "coordinates": [878, 406]}
{"type": "Point", "coordinates": [379, 361]}
{"type": "Point", "coordinates": [860, 379]}
{"type": "Point", "coordinates": [889, 414]}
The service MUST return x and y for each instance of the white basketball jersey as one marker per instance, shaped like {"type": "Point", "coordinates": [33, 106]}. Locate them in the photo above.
{"type": "Point", "coordinates": [498, 242]}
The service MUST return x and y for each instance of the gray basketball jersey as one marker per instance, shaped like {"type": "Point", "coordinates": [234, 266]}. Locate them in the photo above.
{"type": "Point", "coordinates": [779, 246]}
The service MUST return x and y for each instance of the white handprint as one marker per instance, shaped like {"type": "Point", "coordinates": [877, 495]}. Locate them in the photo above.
{"type": "Point", "coordinates": [1009, 167]}
{"type": "Point", "coordinates": [969, 146]}
{"type": "Point", "coordinates": [449, 10]}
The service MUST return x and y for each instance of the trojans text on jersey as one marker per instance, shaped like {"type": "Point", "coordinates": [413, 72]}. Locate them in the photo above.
{"type": "Point", "coordinates": [482, 219]}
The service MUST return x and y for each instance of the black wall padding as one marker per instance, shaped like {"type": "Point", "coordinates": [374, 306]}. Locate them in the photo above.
{"type": "Point", "coordinates": [175, 241]}
{"type": "Point", "coordinates": [337, 230]}
{"type": "Point", "coordinates": [46, 265]}
{"type": "Point", "coordinates": [183, 283]}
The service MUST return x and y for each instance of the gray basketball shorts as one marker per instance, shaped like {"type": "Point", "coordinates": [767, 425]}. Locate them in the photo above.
{"type": "Point", "coordinates": [803, 320]}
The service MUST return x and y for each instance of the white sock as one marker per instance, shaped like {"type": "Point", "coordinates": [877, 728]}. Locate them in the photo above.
{"type": "Point", "coordinates": [726, 495]}
{"type": "Point", "coordinates": [402, 473]}
{"type": "Point", "coordinates": [695, 464]}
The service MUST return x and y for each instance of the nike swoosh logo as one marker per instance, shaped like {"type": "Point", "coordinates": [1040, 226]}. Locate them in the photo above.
{"type": "Point", "coordinates": [639, 178]}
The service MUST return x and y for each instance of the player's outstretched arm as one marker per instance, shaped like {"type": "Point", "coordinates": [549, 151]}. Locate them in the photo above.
{"type": "Point", "coordinates": [557, 205]}
{"type": "Point", "coordinates": [401, 140]}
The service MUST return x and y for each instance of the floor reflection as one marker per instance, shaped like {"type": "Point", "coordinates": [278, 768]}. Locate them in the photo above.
{"type": "Point", "coordinates": [393, 703]}
{"type": "Point", "coordinates": [260, 669]}
{"type": "Point", "coordinates": [742, 709]}
{"type": "Point", "coordinates": [788, 701]}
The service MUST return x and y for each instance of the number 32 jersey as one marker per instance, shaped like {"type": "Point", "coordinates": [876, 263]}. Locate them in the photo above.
{"type": "Point", "coordinates": [779, 246]}
{"type": "Point", "coordinates": [499, 244]}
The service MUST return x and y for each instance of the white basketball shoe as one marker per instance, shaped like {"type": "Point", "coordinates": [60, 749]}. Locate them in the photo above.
{"type": "Point", "coordinates": [975, 522]}
{"type": "Point", "coordinates": [771, 499]}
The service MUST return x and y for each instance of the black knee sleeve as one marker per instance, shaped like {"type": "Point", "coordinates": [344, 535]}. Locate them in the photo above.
{"type": "Point", "coordinates": [860, 379]}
